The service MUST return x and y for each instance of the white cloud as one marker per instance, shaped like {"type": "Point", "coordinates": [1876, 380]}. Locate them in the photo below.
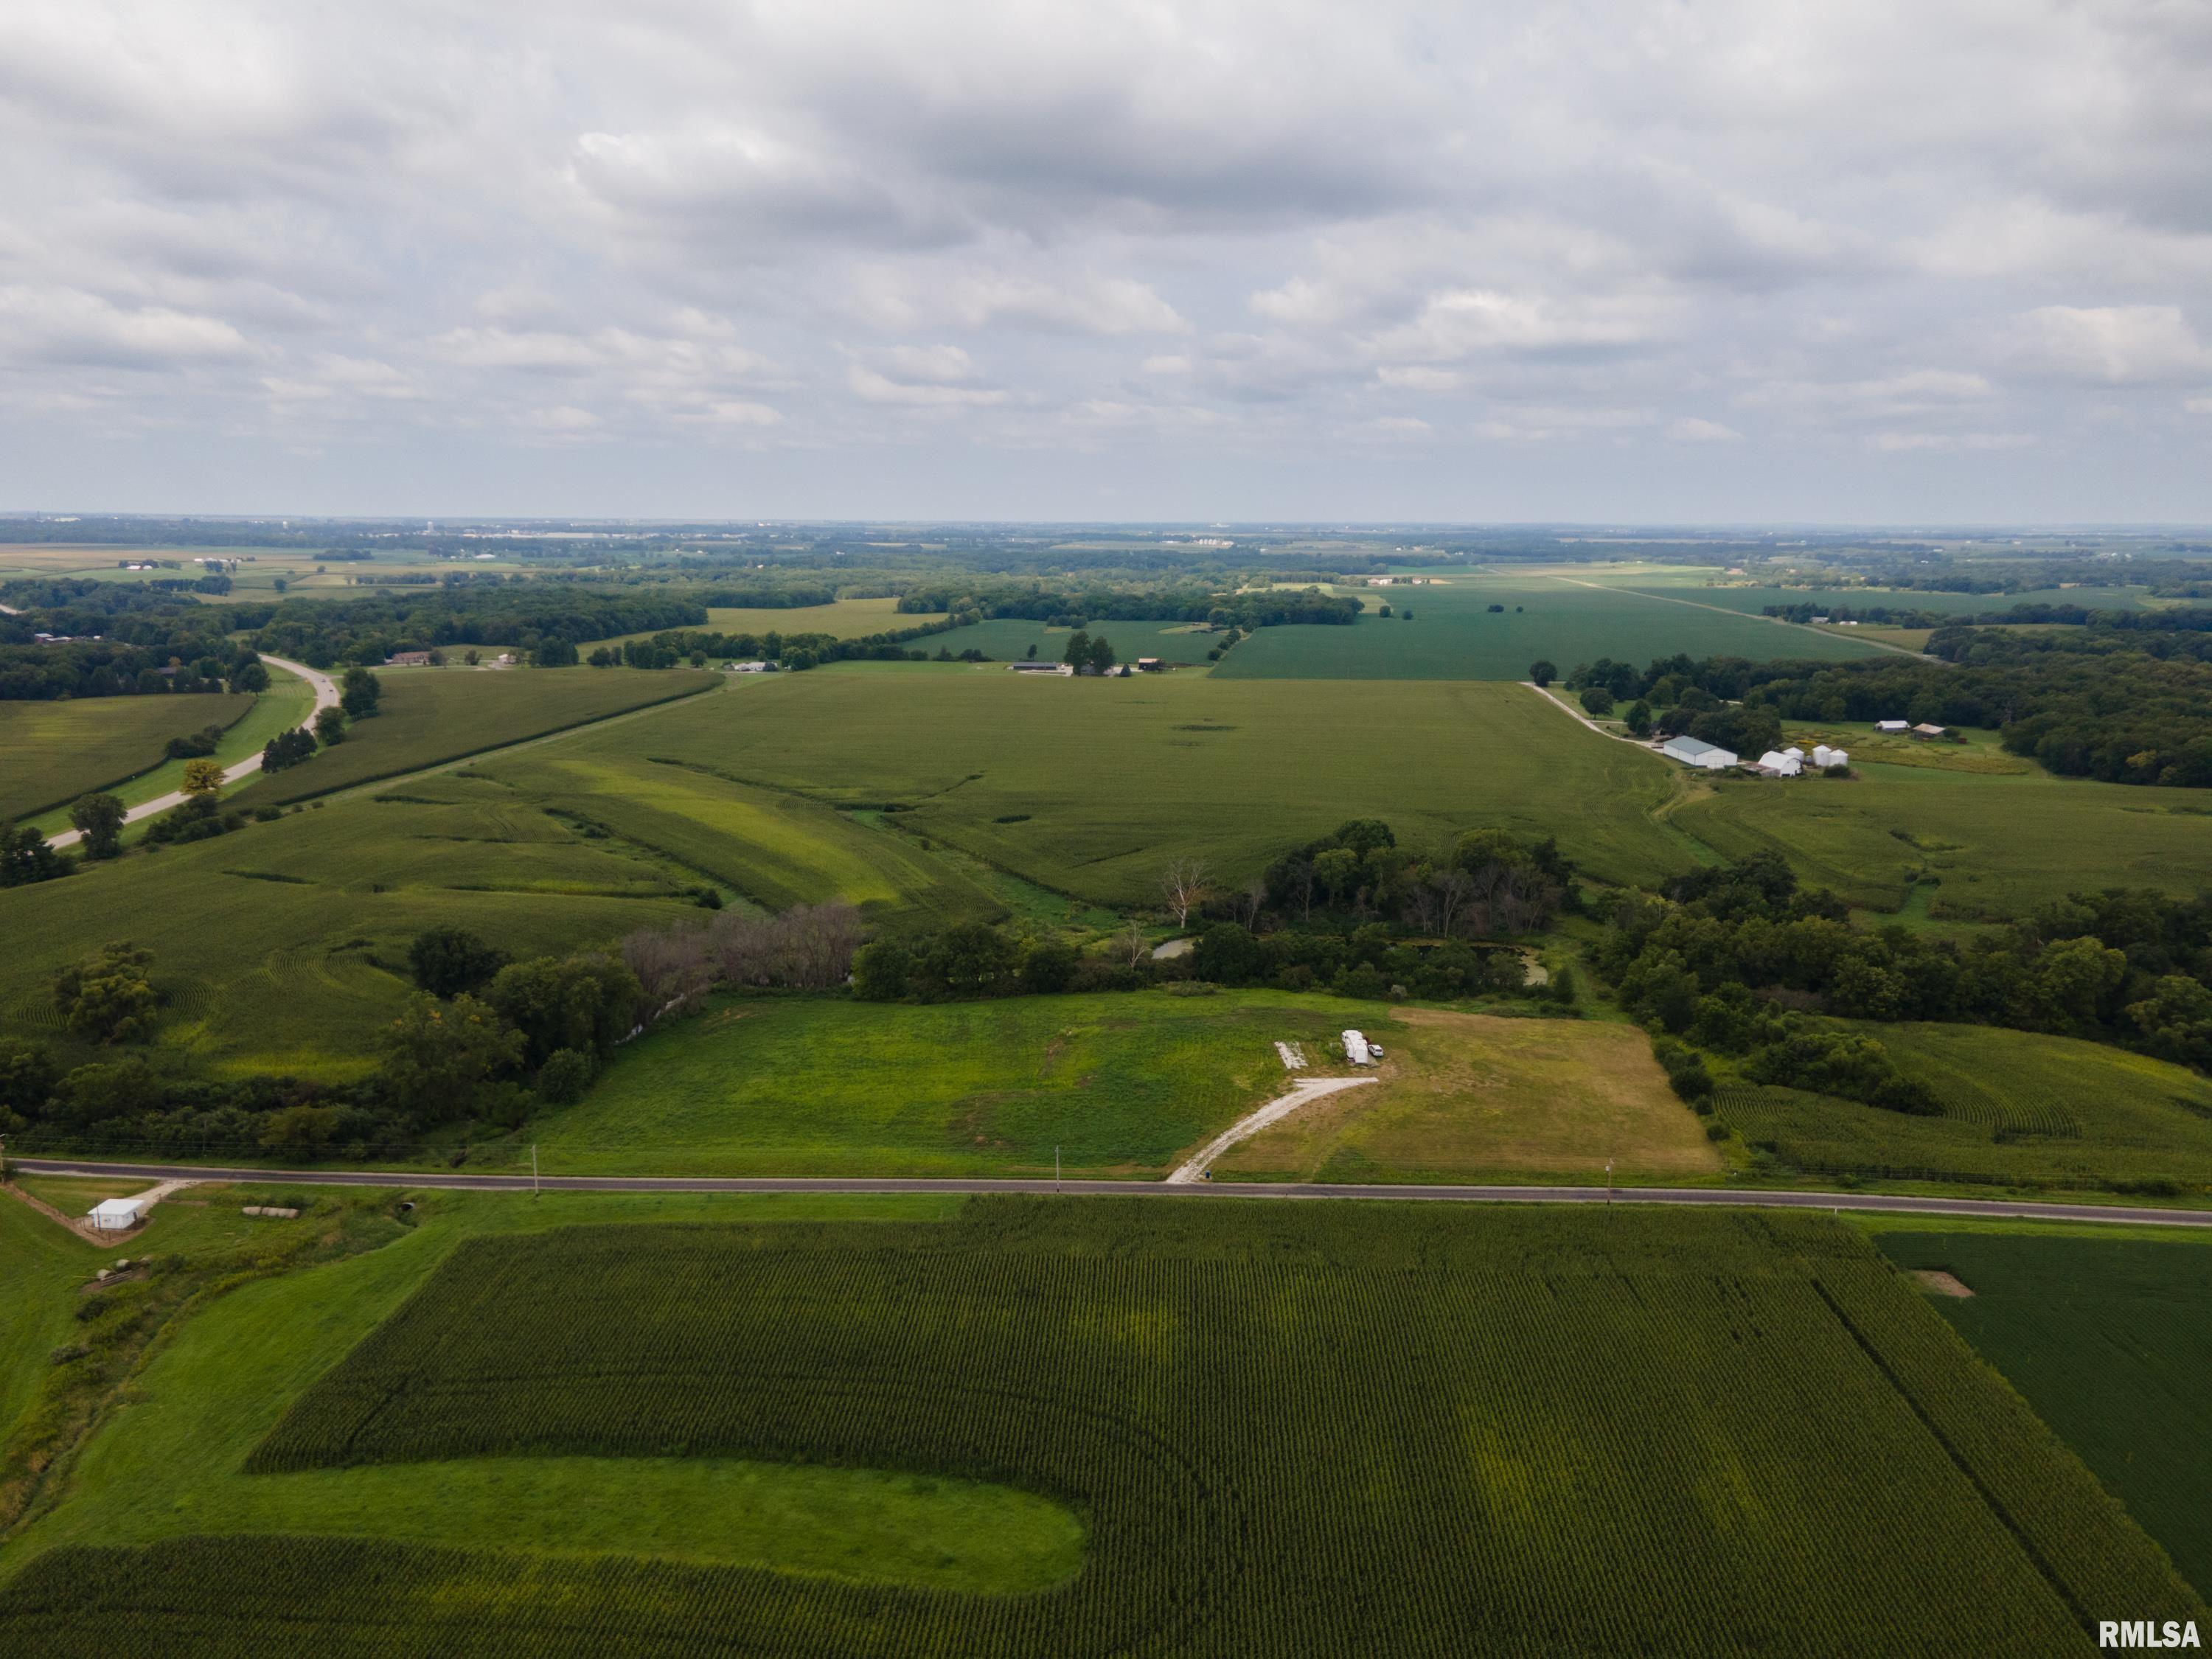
{"type": "Point", "coordinates": [873, 387]}
{"type": "Point", "coordinates": [1690, 429]}
{"type": "Point", "coordinates": [2112, 345]}
{"type": "Point", "coordinates": [370, 229]}
{"type": "Point", "coordinates": [68, 327]}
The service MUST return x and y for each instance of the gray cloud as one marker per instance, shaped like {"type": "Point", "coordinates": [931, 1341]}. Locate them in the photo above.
{"type": "Point", "coordinates": [1242, 258]}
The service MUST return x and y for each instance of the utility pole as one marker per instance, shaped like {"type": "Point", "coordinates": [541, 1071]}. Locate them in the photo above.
{"type": "Point", "coordinates": [1055, 1169]}
{"type": "Point", "coordinates": [533, 1168]}
{"type": "Point", "coordinates": [1608, 1180]}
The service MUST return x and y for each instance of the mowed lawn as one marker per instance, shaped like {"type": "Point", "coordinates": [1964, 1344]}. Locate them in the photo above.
{"type": "Point", "coordinates": [1995, 843]}
{"type": "Point", "coordinates": [1472, 1098]}
{"type": "Point", "coordinates": [2110, 1340]}
{"type": "Point", "coordinates": [1568, 619]}
{"type": "Point", "coordinates": [1089, 786]}
{"type": "Point", "coordinates": [428, 715]}
{"type": "Point", "coordinates": [1121, 1083]}
{"type": "Point", "coordinates": [53, 752]}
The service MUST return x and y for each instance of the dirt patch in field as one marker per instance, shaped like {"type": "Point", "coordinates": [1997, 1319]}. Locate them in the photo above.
{"type": "Point", "coordinates": [1936, 1282]}
{"type": "Point", "coordinates": [1469, 1097]}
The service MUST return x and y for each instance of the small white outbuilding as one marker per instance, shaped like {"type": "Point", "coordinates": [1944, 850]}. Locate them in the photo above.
{"type": "Point", "coordinates": [115, 1215]}
{"type": "Point", "coordinates": [1356, 1050]}
{"type": "Point", "coordinates": [1777, 764]}
{"type": "Point", "coordinates": [1893, 726]}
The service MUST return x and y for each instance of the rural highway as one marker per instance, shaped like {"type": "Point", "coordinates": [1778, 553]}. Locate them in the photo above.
{"type": "Point", "coordinates": [1890, 1203]}
{"type": "Point", "coordinates": [326, 696]}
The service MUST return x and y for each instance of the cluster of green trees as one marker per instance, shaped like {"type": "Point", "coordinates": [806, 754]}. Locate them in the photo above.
{"type": "Point", "coordinates": [2121, 716]}
{"type": "Point", "coordinates": [1063, 606]}
{"type": "Point", "coordinates": [1732, 960]}
{"type": "Point", "coordinates": [534, 617]}
{"type": "Point", "coordinates": [672, 647]}
{"type": "Point", "coordinates": [487, 1039]}
{"type": "Point", "coordinates": [105, 668]}
{"type": "Point", "coordinates": [1491, 883]}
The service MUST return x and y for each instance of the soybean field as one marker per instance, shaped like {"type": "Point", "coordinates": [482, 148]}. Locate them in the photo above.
{"type": "Point", "coordinates": [2110, 1340]}
{"type": "Point", "coordinates": [1491, 625]}
{"type": "Point", "coordinates": [1285, 1430]}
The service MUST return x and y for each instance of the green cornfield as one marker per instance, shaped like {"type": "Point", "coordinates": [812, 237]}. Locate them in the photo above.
{"type": "Point", "coordinates": [1286, 1430]}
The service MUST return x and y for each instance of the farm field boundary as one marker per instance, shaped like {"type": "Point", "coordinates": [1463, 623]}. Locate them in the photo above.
{"type": "Point", "coordinates": [1625, 1197]}
{"type": "Point", "coordinates": [1784, 1413]}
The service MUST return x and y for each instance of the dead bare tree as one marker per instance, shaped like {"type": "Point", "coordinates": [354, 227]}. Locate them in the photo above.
{"type": "Point", "coordinates": [1251, 901]}
{"type": "Point", "coordinates": [1131, 939]}
{"type": "Point", "coordinates": [1182, 884]}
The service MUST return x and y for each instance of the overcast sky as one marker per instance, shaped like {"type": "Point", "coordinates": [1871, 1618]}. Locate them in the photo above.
{"type": "Point", "coordinates": [1838, 260]}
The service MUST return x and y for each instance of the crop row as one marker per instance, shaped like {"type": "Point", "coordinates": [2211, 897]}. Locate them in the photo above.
{"type": "Point", "coordinates": [1390, 1432]}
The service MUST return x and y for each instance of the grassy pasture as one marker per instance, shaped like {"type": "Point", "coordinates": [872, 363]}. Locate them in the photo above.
{"type": "Point", "coordinates": [1476, 1097]}
{"type": "Point", "coordinates": [1520, 1432]}
{"type": "Point", "coordinates": [1999, 844]}
{"type": "Point", "coordinates": [1088, 786]}
{"type": "Point", "coordinates": [53, 752]}
{"type": "Point", "coordinates": [2018, 1108]}
{"type": "Point", "coordinates": [2110, 1340]}
{"type": "Point", "coordinates": [429, 715]}
{"type": "Point", "coordinates": [1121, 1083]}
{"type": "Point", "coordinates": [1566, 618]}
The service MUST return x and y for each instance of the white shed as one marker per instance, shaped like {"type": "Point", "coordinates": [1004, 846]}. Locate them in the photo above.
{"type": "Point", "coordinates": [1356, 1050]}
{"type": "Point", "coordinates": [1780, 764]}
{"type": "Point", "coordinates": [115, 1215]}
{"type": "Point", "coordinates": [1695, 751]}
{"type": "Point", "coordinates": [1892, 726]}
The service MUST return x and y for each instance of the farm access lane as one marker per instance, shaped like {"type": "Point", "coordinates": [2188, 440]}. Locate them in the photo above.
{"type": "Point", "coordinates": [1895, 1203]}
{"type": "Point", "coordinates": [326, 696]}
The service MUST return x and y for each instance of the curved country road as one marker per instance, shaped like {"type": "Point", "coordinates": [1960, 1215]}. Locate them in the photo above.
{"type": "Point", "coordinates": [326, 696]}
{"type": "Point", "coordinates": [1893, 1203]}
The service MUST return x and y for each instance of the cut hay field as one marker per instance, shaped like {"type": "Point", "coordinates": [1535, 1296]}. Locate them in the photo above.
{"type": "Point", "coordinates": [1517, 1431]}
{"type": "Point", "coordinates": [53, 752]}
{"type": "Point", "coordinates": [1088, 786]}
{"type": "Point", "coordinates": [429, 715]}
{"type": "Point", "coordinates": [1997, 844]}
{"type": "Point", "coordinates": [1565, 618]}
{"type": "Point", "coordinates": [1475, 1098]}
{"type": "Point", "coordinates": [2018, 1109]}
{"type": "Point", "coordinates": [2111, 1342]}
{"type": "Point", "coordinates": [1121, 1083]}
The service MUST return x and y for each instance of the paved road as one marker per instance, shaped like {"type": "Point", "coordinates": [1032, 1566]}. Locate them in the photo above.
{"type": "Point", "coordinates": [326, 696]}
{"type": "Point", "coordinates": [1692, 1196]}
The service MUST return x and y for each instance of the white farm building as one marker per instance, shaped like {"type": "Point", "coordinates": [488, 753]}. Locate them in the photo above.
{"type": "Point", "coordinates": [1824, 756]}
{"type": "Point", "coordinates": [1780, 764]}
{"type": "Point", "coordinates": [114, 1215]}
{"type": "Point", "coordinates": [1696, 752]}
